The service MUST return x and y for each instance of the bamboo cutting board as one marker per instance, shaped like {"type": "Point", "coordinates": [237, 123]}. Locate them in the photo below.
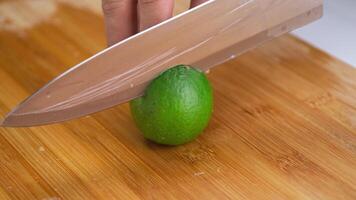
{"type": "Point", "coordinates": [283, 126]}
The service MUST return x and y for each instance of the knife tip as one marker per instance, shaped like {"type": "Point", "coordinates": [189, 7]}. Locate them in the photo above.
{"type": "Point", "coordinates": [9, 121]}
{"type": "Point", "coordinates": [6, 122]}
{"type": "Point", "coordinates": [17, 121]}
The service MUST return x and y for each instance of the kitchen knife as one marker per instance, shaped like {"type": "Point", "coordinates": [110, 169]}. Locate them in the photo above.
{"type": "Point", "coordinates": [203, 37]}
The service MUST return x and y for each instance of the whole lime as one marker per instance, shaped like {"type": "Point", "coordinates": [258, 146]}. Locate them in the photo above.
{"type": "Point", "coordinates": [176, 106]}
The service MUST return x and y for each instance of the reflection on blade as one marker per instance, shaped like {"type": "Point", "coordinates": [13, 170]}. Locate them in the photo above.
{"type": "Point", "coordinates": [203, 37]}
{"type": "Point", "coordinates": [21, 116]}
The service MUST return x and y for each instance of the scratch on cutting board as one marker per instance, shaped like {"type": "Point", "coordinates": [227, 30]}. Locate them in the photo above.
{"type": "Point", "coordinates": [41, 149]}
{"type": "Point", "coordinates": [20, 15]}
{"type": "Point", "coordinates": [199, 173]}
{"type": "Point", "coordinates": [52, 198]}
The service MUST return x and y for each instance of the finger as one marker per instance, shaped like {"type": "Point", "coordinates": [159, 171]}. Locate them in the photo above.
{"type": "Point", "coordinates": [194, 3]}
{"type": "Point", "coordinates": [152, 12]}
{"type": "Point", "coordinates": [120, 19]}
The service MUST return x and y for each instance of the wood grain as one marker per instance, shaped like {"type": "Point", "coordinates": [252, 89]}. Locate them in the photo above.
{"type": "Point", "coordinates": [283, 126]}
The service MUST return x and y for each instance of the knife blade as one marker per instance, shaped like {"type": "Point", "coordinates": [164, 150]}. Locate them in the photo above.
{"type": "Point", "coordinates": [203, 37]}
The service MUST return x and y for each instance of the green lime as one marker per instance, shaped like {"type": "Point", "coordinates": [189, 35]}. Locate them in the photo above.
{"type": "Point", "coordinates": [176, 106]}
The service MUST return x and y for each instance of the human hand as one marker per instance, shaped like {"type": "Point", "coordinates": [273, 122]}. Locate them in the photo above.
{"type": "Point", "coordinates": [124, 18]}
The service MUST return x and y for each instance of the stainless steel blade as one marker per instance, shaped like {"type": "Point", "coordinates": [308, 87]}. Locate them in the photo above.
{"type": "Point", "coordinates": [203, 37]}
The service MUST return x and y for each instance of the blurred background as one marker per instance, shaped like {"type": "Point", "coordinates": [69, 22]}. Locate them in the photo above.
{"type": "Point", "coordinates": [335, 33]}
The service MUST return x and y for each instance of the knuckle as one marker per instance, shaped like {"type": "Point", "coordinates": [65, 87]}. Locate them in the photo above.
{"type": "Point", "coordinates": [109, 7]}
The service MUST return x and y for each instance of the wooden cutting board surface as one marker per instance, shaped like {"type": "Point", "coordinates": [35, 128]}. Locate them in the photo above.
{"type": "Point", "coordinates": [284, 122]}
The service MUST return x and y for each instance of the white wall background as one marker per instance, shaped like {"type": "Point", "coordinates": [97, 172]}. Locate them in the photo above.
{"type": "Point", "coordinates": [335, 33]}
